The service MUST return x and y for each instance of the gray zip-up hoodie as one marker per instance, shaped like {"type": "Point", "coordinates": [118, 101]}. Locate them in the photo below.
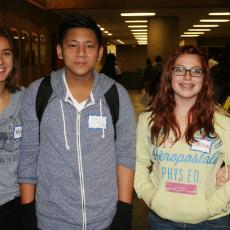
{"type": "Point", "coordinates": [74, 166]}
{"type": "Point", "coordinates": [10, 137]}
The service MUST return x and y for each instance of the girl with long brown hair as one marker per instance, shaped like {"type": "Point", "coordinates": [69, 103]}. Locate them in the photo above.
{"type": "Point", "coordinates": [182, 141]}
{"type": "Point", "coordinates": [10, 133]}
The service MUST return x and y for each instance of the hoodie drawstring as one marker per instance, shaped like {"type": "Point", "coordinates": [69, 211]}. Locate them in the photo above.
{"type": "Point", "coordinates": [64, 127]}
{"type": "Point", "coordinates": [103, 130]}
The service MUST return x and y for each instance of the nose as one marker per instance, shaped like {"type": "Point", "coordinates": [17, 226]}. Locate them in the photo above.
{"type": "Point", "coordinates": [81, 50]}
{"type": "Point", "coordinates": [187, 74]}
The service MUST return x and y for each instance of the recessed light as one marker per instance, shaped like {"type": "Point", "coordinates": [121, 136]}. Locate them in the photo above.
{"type": "Point", "coordinates": [138, 26]}
{"type": "Point", "coordinates": [205, 25]}
{"type": "Point", "coordinates": [121, 42]}
{"type": "Point", "coordinates": [141, 39]}
{"type": "Point", "coordinates": [219, 13]}
{"type": "Point", "coordinates": [136, 21]}
{"type": "Point", "coordinates": [199, 29]}
{"type": "Point", "coordinates": [193, 32]}
{"type": "Point", "coordinates": [214, 20]}
{"type": "Point", "coordinates": [138, 14]}
{"type": "Point", "coordinates": [140, 36]}
{"type": "Point", "coordinates": [189, 35]}
{"type": "Point", "coordinates": [139, 33]}
{"type": "Point", "coordinates": [139, 30]}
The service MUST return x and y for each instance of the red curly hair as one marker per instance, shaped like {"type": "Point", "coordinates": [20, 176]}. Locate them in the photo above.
{"type": "Point", "coordinates": [200, 116]}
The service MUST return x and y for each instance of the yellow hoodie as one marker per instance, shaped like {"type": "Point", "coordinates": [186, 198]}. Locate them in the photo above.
{"type": "Point", "coordinates": [181, 186]}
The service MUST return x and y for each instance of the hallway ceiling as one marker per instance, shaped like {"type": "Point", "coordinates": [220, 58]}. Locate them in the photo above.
{"type": "Point", "coordinates": [107, 14]}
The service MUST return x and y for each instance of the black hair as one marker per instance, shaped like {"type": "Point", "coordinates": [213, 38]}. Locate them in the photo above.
{"type": "Point", "coordinates": [78, 20]}
{"type": "Point", "coordinates": [110, 58]}
{"type": "Point", "coordinates": [148, 61]}
{"type": "Point", "coordinates": [4, 32]}
{"type": "Point", "coordinates": [158, 58]}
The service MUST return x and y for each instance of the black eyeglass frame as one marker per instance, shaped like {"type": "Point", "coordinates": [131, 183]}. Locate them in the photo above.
{"type": "Point", "coordinates": [185, 70]}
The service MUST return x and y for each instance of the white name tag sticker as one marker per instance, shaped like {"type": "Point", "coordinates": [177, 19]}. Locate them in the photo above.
{"type": "Point", "coordinates": [97, 122]}
{"type": "Point", "coordinates": [17, 132]}
{"type": "Point", "coordinates": [202, 145]}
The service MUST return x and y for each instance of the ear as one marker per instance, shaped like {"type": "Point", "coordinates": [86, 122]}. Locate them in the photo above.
{"type": "Point", "coordinates": [100, 53]}
{"type": "Point", "coordinates": [59, 51]}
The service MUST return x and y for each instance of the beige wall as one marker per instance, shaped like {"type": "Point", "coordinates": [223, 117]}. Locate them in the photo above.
{"type": "Point", "coordinates": [163, 36]}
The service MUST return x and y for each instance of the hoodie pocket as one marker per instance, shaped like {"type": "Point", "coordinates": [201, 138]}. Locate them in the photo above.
{"type": "Point", "coordinates": [181, 208]}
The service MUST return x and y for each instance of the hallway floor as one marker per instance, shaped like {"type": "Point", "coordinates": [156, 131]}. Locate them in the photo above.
{"type": "Point", "coordinates": [140, 210]}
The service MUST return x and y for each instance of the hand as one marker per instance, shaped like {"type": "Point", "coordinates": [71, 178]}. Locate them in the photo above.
{"type": "Point", "coordinates": [221, 176]}
{"type": "Point", "coordinates": [123, 218]}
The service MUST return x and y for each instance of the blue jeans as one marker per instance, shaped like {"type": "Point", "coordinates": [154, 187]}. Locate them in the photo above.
{"type": "Point", "coordinates": [157, 223]}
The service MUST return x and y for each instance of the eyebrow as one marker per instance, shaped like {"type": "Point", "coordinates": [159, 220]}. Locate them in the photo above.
{"type": "Point", "coordinates": [73, 40]}
{"type": "Point", "coordinates": [196, 66]}
{"type": "Point", "coordinates": [7, 49]}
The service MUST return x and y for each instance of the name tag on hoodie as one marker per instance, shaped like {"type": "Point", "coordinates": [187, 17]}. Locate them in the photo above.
{"type": "Point", "coordinates": [97, 122]}
{"type": "Point", "coordinates": [17, 132]}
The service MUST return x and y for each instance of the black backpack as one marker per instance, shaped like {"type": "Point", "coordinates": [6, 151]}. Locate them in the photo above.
{"type": "Point", "coordinates": [45, 90]}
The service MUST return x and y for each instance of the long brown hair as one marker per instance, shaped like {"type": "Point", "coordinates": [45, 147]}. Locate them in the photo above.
{"type": "Point", "coordinates": [10, 79]}
{"type": "Point", "coordinates": [200, 116]}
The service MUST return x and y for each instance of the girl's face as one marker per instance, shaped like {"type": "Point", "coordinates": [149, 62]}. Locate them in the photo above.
{"type": "Point", "coordinates": [187, 77]}
{"type": "Point", "coordinates": [6, 59]}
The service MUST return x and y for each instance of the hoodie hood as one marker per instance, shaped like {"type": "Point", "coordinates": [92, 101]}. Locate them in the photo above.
{"type": "Point", "coordinates": [100, 86]}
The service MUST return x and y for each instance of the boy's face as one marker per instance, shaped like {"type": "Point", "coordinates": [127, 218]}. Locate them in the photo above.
{"type": "Point", "coordinates": [80, 52]}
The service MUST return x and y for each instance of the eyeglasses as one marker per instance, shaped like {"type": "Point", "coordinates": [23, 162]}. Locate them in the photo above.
{"type": "Point", "coordinates": [182, 71]}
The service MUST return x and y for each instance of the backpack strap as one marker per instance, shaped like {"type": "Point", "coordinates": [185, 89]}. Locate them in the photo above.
{"type": "Point", "coordinates": [44, 92]}
{"type": "Point", "coordinates": [112, 100]}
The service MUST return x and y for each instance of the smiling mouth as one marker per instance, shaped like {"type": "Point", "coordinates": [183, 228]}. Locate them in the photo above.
{"type": "Point", "coordinates": [80, 62]}
{"type": "Point", "coordinates": [2, 70]}
{"type": "Point", "coordinates": [186, 86]}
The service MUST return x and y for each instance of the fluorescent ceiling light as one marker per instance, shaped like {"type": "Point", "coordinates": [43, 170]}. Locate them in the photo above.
{"type": "Point", "coordinates": [139, 30]}
{"type": "Point", "coordinates": [101, 28]}
{"type": "Point", "coordinates": [136, 21]}
{"type": "Point", "coordinates": [193, 32]}
{"type": "Point", "coordinates": [140, 36]}
{"type": "Point", "coordinates": [214, 20]}
{"type": "Point", "coordinates": [121, 42]}
{"type": "Point", "coordinates": [138, 14]}
{"type": "Point", "coordinates": [205, 25]}
{"type": "Point", "coordinates": [139, 33]}
{"type": "Point", "coordinates": [109, 34]}
{"type": "Point", "coordinates": [190, 35]}
{"type": "Point", "coordinates": [138, 26]}
{"type": "Point", "coordinates": [199, 29]}
{"type": "Point", "coordinates": [106, 32]}
{"type": "Point", "coordinates": [219, 13]}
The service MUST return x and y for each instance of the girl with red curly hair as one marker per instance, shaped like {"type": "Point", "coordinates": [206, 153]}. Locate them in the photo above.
{"type": "Point", "coordinates": [182, 141]}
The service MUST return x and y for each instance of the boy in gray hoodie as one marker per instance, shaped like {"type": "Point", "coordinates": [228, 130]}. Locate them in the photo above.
{"type": "Point", "coordinates": [74, 163]}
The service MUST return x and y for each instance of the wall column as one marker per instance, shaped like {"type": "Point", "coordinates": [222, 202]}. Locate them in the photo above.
{"type": "Point", "coordinates": [163, 36]}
